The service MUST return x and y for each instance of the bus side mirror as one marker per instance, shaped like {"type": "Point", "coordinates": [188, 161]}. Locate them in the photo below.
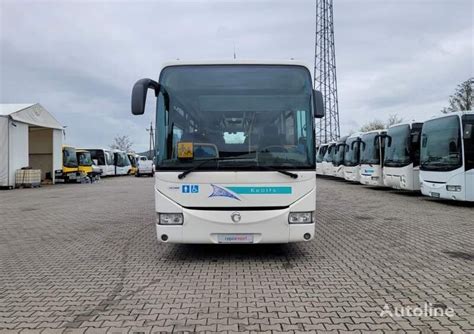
{"type": "Point", "coordinates": [318, 104]}
{"type": "Point", "coordinates": [389, 140]}
{"type": "Point", "coordinates": [467, 131]}
{"type": "Point", "coordinates": [139, 94]}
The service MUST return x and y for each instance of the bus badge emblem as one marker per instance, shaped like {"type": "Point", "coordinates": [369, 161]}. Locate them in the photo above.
{"type": "Point", "coordinates": [235, 217]}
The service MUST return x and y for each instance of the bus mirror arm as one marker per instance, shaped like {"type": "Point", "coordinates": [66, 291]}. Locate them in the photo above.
{"type": "Point", "coordinates": [318, 104]}
{"type": "Point", "coordinates": [139, 92]}
{"type": "Point", "coordinates": [357, 141]}
{"type": "Point", "coordinates": [376, 139]}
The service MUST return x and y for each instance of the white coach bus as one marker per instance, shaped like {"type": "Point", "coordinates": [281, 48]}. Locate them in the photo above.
{"type": "Point", "coordinates": [237, 151]}
{"type": "Point", "coordinates": [338, 161]}
{"type": "Point", "coordinates": [320, 157]}
{"type": "Point", "coordinates": [327, 165]}
{"type": "Point", "coordinates": [371, 158]}
{"type": "Point", "coordinates": [401, 168]}
{"type": "Point", "coordinates": [352, 157]}
{"type": "Point", "coordinates": [122, 163]}
{"type": "Point", "coordinates": [104, 160]}
{"type": "Point", "coordinates": [447, 157]}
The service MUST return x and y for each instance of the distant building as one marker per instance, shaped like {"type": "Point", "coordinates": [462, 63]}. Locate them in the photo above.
{"type": "Point", "coordinates": [29, 137]}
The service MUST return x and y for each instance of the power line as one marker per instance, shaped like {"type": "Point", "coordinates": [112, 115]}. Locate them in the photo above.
{"type": "Point", "coordinates": [151, 150]}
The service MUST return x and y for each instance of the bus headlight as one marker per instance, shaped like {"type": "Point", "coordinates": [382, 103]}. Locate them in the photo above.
{"type": "Point", "coordinates": [300, 217]}
{"type": "Point", "coordinates": [169, 218]}
{"type": "Point", "coordinates": [453, 188]}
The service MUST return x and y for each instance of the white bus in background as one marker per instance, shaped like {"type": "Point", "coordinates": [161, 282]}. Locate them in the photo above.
{"type": "Point", "coordinates": [447, 157]}
{"type": "Point", "coordinates": [338, 161]}
{"type": "Point", "coordinates": [401, 168]}
{"type": "Point", "coordinates": [320, 157]}
{"type": "Point", "coordinates": [104, 160]}
{"type": "Point", "coordinates": [237, 157]}
{"type": "Point", "coordinates": [122, 163]}
{"type": "Point", "coordinates": [327, 166]}
{"type": "Point", "coordinates": [352, 157]}
{"type": "Point", "coordinates": [371, 158]}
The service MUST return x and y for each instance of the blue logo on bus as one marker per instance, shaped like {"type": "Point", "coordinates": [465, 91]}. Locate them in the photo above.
{"type": "Point", "coordinates": [222, 192]}
{"type": "Point", "coordinates": [190, 188]}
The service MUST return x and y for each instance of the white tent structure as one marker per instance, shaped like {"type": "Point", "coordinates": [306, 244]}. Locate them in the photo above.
{"type": "Point", "coordinates": [29, 137]}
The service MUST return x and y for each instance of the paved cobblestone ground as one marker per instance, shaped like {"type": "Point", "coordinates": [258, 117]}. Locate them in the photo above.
{"type": "Point", "coordinates": [84, 258]}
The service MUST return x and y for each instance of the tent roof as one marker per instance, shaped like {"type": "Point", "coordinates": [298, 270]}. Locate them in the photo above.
{"type": "Point", "coordinates": [33, 114]}
{"type": "Point", "coordinates": [7, 109]}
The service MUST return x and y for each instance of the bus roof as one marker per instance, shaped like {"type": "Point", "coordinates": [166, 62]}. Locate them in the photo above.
{"type": "Point", "coordinates": [356, 135]}
{"type": "Point", "coordinates": [236, 62]}
{"type": "Point", "coordinates": [404, 123]}
{"type": "Point", "coordinates": [456, 113]}
{"type": "Point", "coordinates": [374, 131]}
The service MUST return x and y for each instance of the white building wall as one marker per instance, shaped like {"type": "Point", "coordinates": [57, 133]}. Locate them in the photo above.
{"type": "Point", "coordinates": [18, 148]}
{"type": "Point", "coordinates": [4, 151]}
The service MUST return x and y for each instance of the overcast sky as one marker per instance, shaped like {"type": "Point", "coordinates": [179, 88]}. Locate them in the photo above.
{"type": "Point", "coordinates": [80, 59]}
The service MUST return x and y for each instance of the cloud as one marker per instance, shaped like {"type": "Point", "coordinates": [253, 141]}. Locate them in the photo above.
{"type": "Point", "coordinates": [81, 59]}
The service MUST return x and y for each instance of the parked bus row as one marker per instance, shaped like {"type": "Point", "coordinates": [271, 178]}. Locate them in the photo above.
{"type": "Point", "coordinates": [91, 164]}
{"type": "Point", "coordinates": [435, 157]}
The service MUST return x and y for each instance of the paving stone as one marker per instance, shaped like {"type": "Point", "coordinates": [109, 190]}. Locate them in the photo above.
{"type": "Point", "coordinates": [84, 259]}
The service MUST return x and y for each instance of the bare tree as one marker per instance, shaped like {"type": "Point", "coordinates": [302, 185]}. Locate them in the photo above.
{"type": "Point", "coordinates": [462, 99]}
{"type": "Point", "coordinates": [377, 124]}
{"type": "Point", "coordinates": [393, 119]}
{"type": "Point", "coordinates": [122, 143]}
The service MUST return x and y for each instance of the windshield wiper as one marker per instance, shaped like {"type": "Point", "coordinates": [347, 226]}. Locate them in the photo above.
{"type": "Point", "coordinates": [192, 169]}
{"type": "Point", "coordinates": [284, 172]}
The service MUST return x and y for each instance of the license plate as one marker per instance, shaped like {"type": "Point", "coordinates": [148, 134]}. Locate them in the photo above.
{"type": "Point", "coordinates": [235, 238]}
{"type": "Point", "coordinates": [435, 195]}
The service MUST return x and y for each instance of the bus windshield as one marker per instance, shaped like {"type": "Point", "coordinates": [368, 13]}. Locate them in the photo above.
{"type": "Point", "coordinates": [339, 155]}
{"type": "Point", "coordinates": [321, 152]}
{"type": "Point", "coordinates": [238, 116]}
{"type": "Point", "coordinates": [370, 153]}
{"type": "Point", "coordinates": [398, 153]}
{"type": "Point", "coordinates": [441, 144]}
{"type": "Point", "coordinates": [84, 158]}
{"type": "Point", "coordinates": [351, 155]}
{"type": "Point", "coordinates": [121, 159]}
{"type": "Point", "coordinates": [329, 156]}
{"type": "Point", "coordinates": [69, 157]}
{"type": "Point", "coordinates": [468, 127]}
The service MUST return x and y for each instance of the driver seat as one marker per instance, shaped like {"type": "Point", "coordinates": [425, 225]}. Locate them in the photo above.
{"type": "Point", "coordinates": [270, 137]}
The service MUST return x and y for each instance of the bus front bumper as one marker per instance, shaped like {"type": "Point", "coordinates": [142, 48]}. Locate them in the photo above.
{"type": "Point", "coordinates": [371, 180]}
{"type": "Point", "coordinates": [212, 227]}
{"type": "Point", "coordinates": [439, 190]}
